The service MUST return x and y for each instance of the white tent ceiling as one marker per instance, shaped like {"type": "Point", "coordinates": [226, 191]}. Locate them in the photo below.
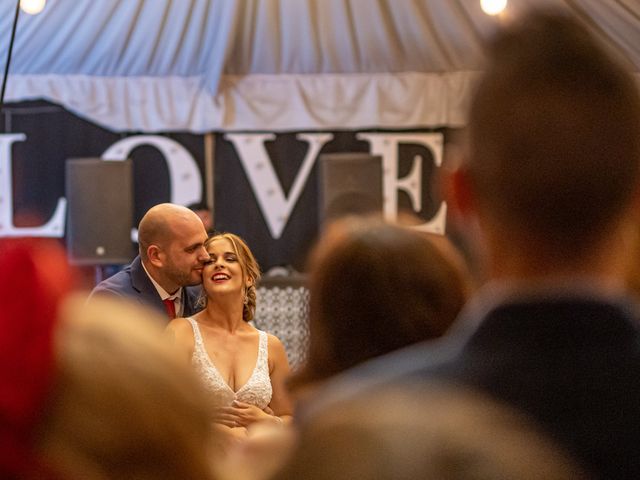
{"type": "Point", "coordinates": [203, 65]}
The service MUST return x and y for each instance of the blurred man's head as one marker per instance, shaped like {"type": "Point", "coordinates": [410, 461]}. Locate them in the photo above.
{"type": "Point", "coordinates": [204, 212]}
{"type": "Point", "coordinates": [554, 137]}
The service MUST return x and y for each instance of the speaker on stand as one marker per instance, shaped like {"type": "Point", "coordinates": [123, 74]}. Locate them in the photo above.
{"type": "Point", "coordinates": [99, 212]}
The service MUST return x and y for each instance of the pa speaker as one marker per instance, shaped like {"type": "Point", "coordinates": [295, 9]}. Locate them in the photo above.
{"type": "Point", "coordinates": [99, 211]}
{"type": "Point", "coordinates": [350, 184]}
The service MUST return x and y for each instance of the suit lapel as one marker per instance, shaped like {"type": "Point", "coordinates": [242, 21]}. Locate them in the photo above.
{"type": "Point", "coordinates": [142, 284]}
{"type": "Point", "coordinates": [190, 297]}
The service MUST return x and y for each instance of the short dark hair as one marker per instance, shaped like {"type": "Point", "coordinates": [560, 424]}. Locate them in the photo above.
{"type": "Point", "coordinates": [554, 133]}
{"type": "Point", "coordinates": [198, 206]}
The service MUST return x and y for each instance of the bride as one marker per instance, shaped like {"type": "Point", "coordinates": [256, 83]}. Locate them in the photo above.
{"type": "Point", "coordinates": [243, 368]}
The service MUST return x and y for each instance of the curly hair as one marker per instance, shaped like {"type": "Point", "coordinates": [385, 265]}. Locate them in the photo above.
{"type": "Point", "coordinates": [249, 266]}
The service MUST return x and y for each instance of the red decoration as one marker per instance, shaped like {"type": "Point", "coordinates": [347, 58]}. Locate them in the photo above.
{"type": "Point", "coordinates": [34, 277]}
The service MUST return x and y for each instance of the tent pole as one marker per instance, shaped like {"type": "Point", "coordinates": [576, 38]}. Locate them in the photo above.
{"type": "Point", "coordinates": [6, 67]}
{"type": "Point", "coordinates": [209, 163]}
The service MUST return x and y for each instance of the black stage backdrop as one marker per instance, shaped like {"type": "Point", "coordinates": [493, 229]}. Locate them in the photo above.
{"type": "Point", "coordinates": [52, 135]}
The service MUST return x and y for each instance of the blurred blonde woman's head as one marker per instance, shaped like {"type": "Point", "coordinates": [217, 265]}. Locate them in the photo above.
{"type": "Point", "coordinates": [431, 433]}
{"type": "Point", "coordinates": [123, 406]}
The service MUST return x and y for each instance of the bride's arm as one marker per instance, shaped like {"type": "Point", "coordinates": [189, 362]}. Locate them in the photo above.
{"type": "Point", "coordinates": [279, 370]}
{"type": "Point", "coordinates": [180, 335]}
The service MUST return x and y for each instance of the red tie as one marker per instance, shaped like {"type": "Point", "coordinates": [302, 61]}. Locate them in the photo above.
{"type": "Point", "coordinates": [171, 307]}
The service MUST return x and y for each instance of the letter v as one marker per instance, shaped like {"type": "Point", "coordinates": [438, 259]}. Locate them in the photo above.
{"type": "Point", "coordinates": [275, 206]}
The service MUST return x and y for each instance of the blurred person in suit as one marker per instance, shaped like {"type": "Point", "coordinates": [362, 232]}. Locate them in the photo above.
{"type": "Point", "coordinates": [551, 177]}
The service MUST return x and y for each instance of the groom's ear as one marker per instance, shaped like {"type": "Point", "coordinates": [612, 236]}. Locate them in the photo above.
{"type": "Point", "coordinates": [154, 254]}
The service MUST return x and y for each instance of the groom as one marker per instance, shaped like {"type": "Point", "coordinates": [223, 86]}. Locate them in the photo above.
{"type": "Point", "coordinates": [170, 261]}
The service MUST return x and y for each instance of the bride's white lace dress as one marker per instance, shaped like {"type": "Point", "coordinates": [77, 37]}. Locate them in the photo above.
{"type": "Point", "coordinates": [257, 391]}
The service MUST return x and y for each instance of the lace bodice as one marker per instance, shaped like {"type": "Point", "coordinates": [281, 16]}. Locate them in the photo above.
{"type": "Point", "coordinates": [257, 391]}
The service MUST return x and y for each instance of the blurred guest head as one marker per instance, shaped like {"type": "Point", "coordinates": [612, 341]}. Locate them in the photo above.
{"type": "Point", "coordinates": [204, 212]}
{"type": "Point", "coordinates": [85, 391]}
{"type": "Point", "coordinates": [376, 287]}
{"type": "Point", "coordinates": [34, 278]}
{"type": "Point", "coordinates": [124, 405]}
{"type": "Point", "coordinates": [553, 154]}
{"type": "Point", "coordinates": [429, 433]}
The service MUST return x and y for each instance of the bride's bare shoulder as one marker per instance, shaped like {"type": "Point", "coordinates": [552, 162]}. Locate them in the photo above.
{"type": "Point", "coordinates": [180, 331]}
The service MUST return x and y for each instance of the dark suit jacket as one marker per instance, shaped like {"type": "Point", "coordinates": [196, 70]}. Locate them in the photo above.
{"type": "Point", "coordinates": [573, 365]}
{"type": "Point", "coordinates": [132, 282]}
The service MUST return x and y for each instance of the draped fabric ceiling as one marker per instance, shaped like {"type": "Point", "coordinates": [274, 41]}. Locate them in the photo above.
{"type": "Point", "coordinates": [223, 65]}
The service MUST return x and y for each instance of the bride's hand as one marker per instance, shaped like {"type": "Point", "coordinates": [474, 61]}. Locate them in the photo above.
{"type": "Point", "coordinates": [226, 416]}
{"type": "Point", "coordinates": [268, 410]}
{"type": "Point", "coordinates": [248, 414]}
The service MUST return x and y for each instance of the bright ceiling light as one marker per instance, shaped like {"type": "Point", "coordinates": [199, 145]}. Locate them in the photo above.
{"type": "Point", "coordinates": [32, 7]}
{"type": "Point", "coordinates": [493, 7]}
